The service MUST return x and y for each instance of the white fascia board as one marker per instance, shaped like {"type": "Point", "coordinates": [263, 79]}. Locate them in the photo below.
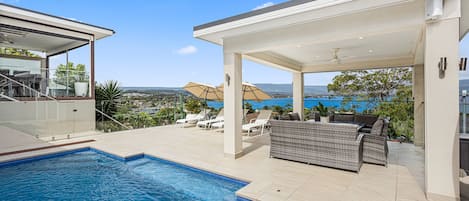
{"type": "Point", "coordinates": [37, 27]}
{"type": "Point", "coordinates": [309, 12]}
{"type": "Point", "coordinates": [54, 21]}
{"type": "Point", "coordinates": [464, 22]}
{"type": "Point", "coordinates": [270, 16]}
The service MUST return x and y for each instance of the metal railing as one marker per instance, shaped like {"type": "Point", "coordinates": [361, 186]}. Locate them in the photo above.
{"type": "Point", "coordinates": [112, 119]}
{"type": "Point", "coordinates": [8, 83]}
{"type": "Point", "coordinates": [464, 117]}
{"type": "Point", "coordinates": [43, 118]}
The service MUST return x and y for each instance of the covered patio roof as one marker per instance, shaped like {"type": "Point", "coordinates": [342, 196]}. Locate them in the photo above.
{"type": "Point", "coordinates": [32, 30]}
{"type": "Point", "coordinates": [297, 36]}
{"type": "Point", "coordinates": [306, 36]}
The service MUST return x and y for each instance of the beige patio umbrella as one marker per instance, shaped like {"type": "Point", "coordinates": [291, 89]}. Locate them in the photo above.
{"type": "Point", "coordinates": [251, 92]}
{"type": "Point", "coordinates": [205, 91]}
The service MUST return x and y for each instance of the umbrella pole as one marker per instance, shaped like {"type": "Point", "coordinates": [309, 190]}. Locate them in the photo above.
{"type": "Point", "coordinates": [244, 107]}
{"type": "Point", "coordinates": [205, 104]}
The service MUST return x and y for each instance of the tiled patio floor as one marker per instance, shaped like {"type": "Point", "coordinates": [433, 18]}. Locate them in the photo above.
{"type": "Point", "coordinates": [271, 179]}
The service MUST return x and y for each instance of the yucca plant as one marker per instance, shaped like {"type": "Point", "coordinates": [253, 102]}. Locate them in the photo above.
{"type": "Point", "coordinates": [323, 110]}
{"type": "Point", "coordinates": [107, 97]}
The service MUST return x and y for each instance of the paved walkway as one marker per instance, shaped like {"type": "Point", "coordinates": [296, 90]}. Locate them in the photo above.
{"type": "Point", "coordinates": [271, 179]}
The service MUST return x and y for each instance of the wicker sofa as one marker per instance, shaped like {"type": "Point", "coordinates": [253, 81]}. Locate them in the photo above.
{"type": "Point", "coordinates": [333, 145]}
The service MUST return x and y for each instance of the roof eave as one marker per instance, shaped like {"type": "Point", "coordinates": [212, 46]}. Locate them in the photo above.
{"type": "Point", "coordinates": [39, 17]}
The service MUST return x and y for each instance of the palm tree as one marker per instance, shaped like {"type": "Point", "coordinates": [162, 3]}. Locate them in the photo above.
{"type": "Point", "coordinates": [107, 97]}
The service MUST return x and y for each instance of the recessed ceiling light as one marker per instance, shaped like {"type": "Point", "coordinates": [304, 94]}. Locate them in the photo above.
{"type": "Point", "coordinates": [370, 51]}
{"type": "Point", "coordinates": [298, 46]}
{"type": "Point", "coordinates": [361, 37]}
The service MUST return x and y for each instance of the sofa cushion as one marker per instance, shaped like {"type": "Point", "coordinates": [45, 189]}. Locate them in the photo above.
{"type": "Point", "coordinates": [377, 127]}
{"type": "Point", "coordinates": [294, 116]}
{"type": "Point", "coordinates": [344, 118]}
{"type": "Point", "coordinates": [315, 116]}
{"type": "Point", "coordinates": [367, 120]}
{"type": "Point", "coordinates": [284, 117]}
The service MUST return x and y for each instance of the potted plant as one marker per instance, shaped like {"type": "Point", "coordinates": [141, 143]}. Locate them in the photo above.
{"type": "Point", "coordinates": [323, 112]}
{"type": "Point", "coordinates": [81, 84]}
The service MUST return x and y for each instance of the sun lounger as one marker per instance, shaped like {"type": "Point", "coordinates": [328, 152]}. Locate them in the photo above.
{"type": "Point", "coordinates": [208, 123]}
{"type": "Point", "coordinates": [258, 123]}
{"type": "Point", "coordinates": [193, 118]}
{"type": "Point", "coordinates": [221, 124]}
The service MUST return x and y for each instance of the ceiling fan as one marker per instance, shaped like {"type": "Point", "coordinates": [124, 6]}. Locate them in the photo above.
{"type": "Point", "coordinates": [5, 40]}
{"type": "Point", "coordinates": [336, 58]}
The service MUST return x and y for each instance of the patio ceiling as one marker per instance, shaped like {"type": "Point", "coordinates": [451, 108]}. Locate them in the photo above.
{"type": "Point", "coordinates": [303, 37]}
{"type": "Point", "coordinates": [27, 29]}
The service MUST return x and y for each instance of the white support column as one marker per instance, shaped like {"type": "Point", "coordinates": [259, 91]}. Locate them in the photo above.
{"type": "Point", "coordinates": [441, 109]}
{"type": "Point", "coordinates": [419, 105]}
{"type": "Point", "coordinates": [298, 93]}
{"type": "Point", "coordinates": [233, 144]}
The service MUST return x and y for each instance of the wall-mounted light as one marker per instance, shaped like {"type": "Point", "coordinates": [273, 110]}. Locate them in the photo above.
{"type": "Point", "coordinates": [227, 79]}
{"type": "Point", "coordinates": [442, 66]}
{"type": "Point", "coordinates": [463, 64]}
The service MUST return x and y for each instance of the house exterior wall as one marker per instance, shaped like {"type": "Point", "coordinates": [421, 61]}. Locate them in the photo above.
{"type": "Point", "coordinates": [45, 119]}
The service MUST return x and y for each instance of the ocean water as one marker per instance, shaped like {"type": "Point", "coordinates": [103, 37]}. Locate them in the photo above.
{"type": "Point", "coordinates": [358, 106]}
{"type": "Point", "coordinates": [89, 175]}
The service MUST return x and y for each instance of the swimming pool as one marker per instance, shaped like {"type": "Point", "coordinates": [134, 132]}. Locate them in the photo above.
{"type": "Point", "coordinates": [89, 174]}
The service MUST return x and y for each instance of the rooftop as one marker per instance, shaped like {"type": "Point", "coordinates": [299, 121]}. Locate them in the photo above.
{"type": "Point", "coordinates": [32, 30]}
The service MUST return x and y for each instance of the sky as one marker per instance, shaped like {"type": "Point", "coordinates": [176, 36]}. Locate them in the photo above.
{"type": "Point", "coordinates": [154, 47]}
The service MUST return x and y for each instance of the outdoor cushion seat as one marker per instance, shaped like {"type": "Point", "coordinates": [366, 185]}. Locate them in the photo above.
{"type": "Point", "coordinates": [315, 116]}
{"type": "Point", "coordinates": [284, 117]}
{"type": "Point", "coordinates": [375, 146]}
{"type": "Point", "coordinates": [294, 116]}
{"type": "Point", "coordinates": [342, 118]}
{"type": "Point", "coordinates": [367, 120]}
{"type": "Point", "coordinates": [365, 130]}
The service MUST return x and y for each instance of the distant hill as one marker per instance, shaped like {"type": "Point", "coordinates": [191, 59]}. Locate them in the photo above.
{"type": "Point", "coordinates": [273, 89]}
{"type": "Point", "coordinates": [287, 90]}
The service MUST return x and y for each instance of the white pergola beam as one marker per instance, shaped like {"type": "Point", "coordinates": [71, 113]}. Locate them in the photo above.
{"type": "Point", "coordinates": [276, 61]}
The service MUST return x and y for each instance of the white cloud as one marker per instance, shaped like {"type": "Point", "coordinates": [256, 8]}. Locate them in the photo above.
{"type": "Point", "coordinates": [265, 5]}
{"type": "Point", "coordinates": [190, 49]}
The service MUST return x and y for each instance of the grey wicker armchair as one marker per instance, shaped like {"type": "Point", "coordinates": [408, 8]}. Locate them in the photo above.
{"type": "Point", "coordinates": [375, 146]}
{"type": "Point", "coordinates": [333, 145]}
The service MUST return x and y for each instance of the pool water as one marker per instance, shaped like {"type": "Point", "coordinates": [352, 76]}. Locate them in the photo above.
{"type": "Point", "coordinates": [88, 175]}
